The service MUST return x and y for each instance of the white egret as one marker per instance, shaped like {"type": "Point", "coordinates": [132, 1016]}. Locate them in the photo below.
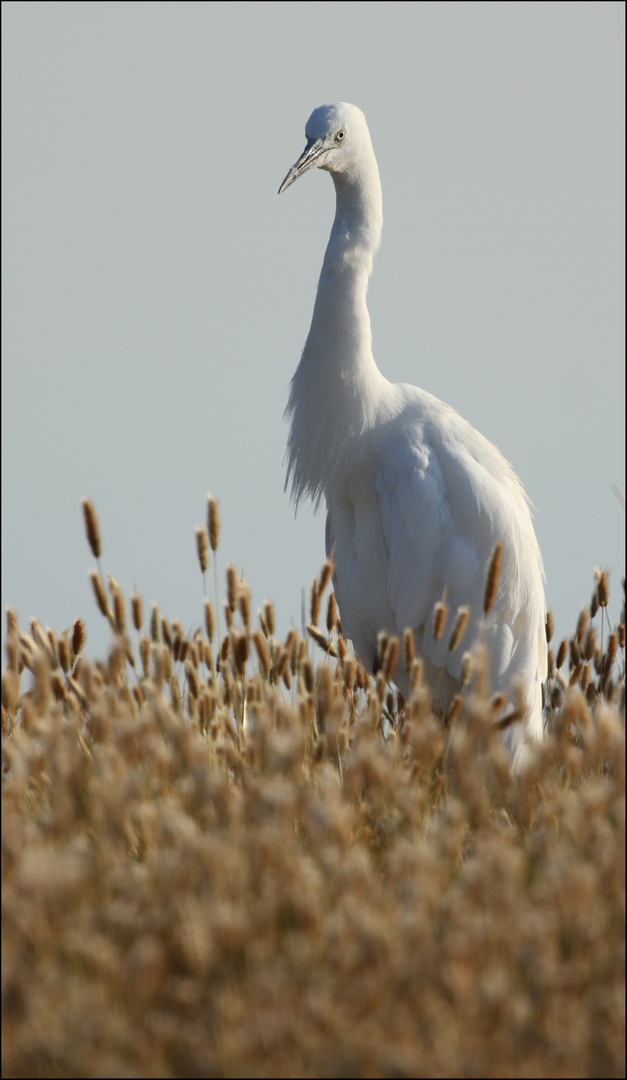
{"type": "Point", "coordinates": [416, 498]}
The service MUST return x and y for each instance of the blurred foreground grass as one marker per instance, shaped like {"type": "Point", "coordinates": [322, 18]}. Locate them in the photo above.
{"type": "Point", "coordinates": [255, 864]}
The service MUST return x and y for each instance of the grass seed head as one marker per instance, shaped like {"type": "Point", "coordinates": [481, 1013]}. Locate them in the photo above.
{"type": "Point", "coordinates": [492, 581]}
{"type": "Point", "coordinates": [466, 668]}
{"type": "Point", "coordinates": [382, 647]}
{"type": "Point", "coordinates": [202, 547]}
{"type": "Point", "coordinates": [91, 528]}
{"type": "Point", "coordinates": [144, 653]}
{"type": "Point", "coordinates": [325, 575]}
{"type": "Point", "coordinates": [459, 628]}
{"type": "Point", "coordinates": [213, 522]}
{"type": "Point", "coordinates": [78, 636]}
{"type": "Point", "coordinates": [603, 589]}
{"type": "Point", "coordinates": [99, 593]}
{"type": "Point", "coordinates": [13, 652]}
{"type": "Point", "coordinates": [269, 613]}
{"type": "Point", "coordinates": [391, 656]}
{"type": "Point", "coordinates": [263, 652]}
{"type": "Point", "coordinates": [12, 624]}
{"type": "Point", "coordinates": [349, 672]}
{"type": "Point", "coordinates": [320, 639]}
{"type": "Point", "coordinates": [314, 603]}
{"type": "Point", "coordinates": [231, 587]}
{"type": "Point", "coordinates": [439, 618]}
{"type": "Point", "coordinates": [175, 692]}
{"type": "Point", "coordinates": [10, 690]}
{"type": "Point", "coordinates": [119, 605]}
{"type": "Point", "coordinates": [307, 673]}
{"type": "Point", "coordinates": [210, 623]}
{"type": "Point", "coordinates": [63, 652]}
{"type": "Point", "coordinates": [192, 680]}
{"type": "Point", "coordinates": [244, 603]}
{"type": "Point", "coordinates": [590, 643]}
{"type": "Point", "coordinates": [240, 653]}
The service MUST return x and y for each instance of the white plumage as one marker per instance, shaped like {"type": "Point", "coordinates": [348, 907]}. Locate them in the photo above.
{"type": "Point", "coordinates": [416, 498]}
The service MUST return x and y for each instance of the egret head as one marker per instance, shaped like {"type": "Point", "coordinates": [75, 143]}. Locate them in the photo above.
{"type": "Point", "coordinates": [337, 136]}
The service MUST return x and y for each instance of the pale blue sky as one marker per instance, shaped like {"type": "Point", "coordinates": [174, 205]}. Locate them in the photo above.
{"type": "Point", "coordinates": [157, 292]}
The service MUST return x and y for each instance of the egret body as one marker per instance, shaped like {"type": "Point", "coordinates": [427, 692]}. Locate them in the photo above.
{"type": "Point", "coordinates": [416, 498]}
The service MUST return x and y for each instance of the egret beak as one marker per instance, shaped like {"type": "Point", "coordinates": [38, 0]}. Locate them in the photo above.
{"type": "Point", "coordinates": [307, 160]}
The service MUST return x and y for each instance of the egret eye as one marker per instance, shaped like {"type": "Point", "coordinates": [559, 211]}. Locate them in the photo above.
{"type": "Point", "coordinates": [340, 135]}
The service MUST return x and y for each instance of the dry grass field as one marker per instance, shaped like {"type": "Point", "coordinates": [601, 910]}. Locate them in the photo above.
{"type": "Point", "coordinates": [228, 853]}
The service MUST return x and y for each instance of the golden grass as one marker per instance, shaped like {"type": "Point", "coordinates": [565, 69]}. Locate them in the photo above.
{"type": "Point", "coordinates": [214, 864]}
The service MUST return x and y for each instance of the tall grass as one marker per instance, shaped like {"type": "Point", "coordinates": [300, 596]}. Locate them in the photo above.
{"type": "Point", "coordinates": [241, 856]}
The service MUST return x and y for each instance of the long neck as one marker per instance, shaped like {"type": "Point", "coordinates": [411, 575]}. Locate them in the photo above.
{"type": "Point", "coordinates": [340, 326]}
{"type": "Point", "coordinates": [337, 390]}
